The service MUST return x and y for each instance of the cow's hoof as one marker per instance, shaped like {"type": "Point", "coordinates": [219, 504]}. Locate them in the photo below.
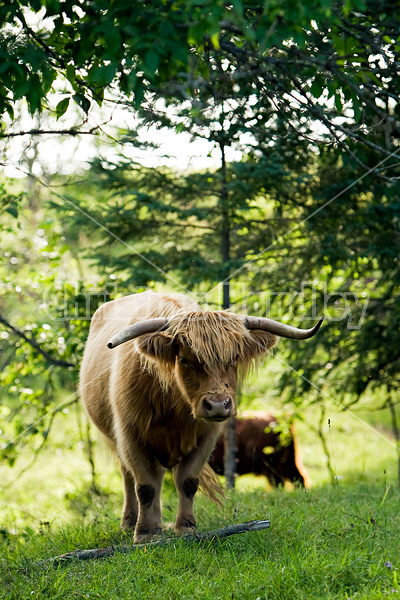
{"type": "Point", "coordinates": [128, 522]}
{"type": "Point", "coordinates": [143, 537]}
{"type": "Point", "coordinates": [185, 528]}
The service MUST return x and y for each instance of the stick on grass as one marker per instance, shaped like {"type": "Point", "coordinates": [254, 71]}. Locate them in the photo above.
{"type": "Point", "coordinates": [96, 553]}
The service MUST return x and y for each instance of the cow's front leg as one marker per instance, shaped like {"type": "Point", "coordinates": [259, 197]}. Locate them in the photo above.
{"type": "Point", "coordinates": [148, 491]}
{"type": "Point", "coordinates": [146, 474]}
{"type": "Point", "coordinates": [186, 476]}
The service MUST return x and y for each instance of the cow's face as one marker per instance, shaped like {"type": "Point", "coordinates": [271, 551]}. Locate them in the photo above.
{"type": "Point", "coordinates": [210, 391]}
{"type": "Point", "coordinates": [207, 378]}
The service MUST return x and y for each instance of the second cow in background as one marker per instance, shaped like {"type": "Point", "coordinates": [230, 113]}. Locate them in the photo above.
{"type": "Point", "coordinates": [262, 449]}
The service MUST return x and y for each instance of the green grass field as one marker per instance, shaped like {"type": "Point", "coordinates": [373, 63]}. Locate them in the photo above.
{"type": "Point", "coordinates": [337, 540]}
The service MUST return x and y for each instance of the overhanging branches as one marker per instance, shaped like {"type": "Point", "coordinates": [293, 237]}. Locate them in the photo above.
{"type": "Point", "coordinates": [35, 345]}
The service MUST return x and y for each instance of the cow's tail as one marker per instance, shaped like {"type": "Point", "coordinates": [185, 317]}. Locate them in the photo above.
{"type": "Point", "coordinates": [210, 486]}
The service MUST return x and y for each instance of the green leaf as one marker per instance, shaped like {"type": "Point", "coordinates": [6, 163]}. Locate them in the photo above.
{"type": "Point", "coordinates": [102, 75]}
{"type": "Point", "coordinates": [138, 92]}
{"type": "Point", "coordinates": [338, 102]}
{"type": "Point", "coordinates": [12, 210]}
{"type": "Point", "coordinates": [316, 89]}
{"type": "Point", "coordinates": [70, 73]}
{"type": "Point", "coordinates": [34, 95]}
{"type": "Point", "coordinates": [10, 110]}
{"type": "Point", "coordinates": [62, 107]}
{"type": "Point", "coordinates": [152, 60]}
{"type": "Point", "coordinates": [82, 101]}
{"type": "Point", "coordinates": [215, 41]}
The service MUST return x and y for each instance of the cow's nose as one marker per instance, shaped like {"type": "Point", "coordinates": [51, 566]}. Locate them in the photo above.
{"type": "Point", "coordinates": [217, 407]}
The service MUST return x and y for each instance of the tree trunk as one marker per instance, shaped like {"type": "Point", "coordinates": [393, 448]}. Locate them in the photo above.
{"type": "Point", "coordinates": [230, 429]}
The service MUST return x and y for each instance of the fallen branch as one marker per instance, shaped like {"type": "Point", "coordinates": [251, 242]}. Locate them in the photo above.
{"type": "Point", "coordinates": [96, 553]}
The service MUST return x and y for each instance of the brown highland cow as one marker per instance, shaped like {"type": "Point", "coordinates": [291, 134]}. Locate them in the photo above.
{"type": "Point", "coordinates": [160, 397]}
{"type": "Point", "coordinates": [262, 449]}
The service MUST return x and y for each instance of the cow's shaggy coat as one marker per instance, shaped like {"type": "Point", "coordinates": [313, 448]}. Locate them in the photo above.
{"type": "Point", "coordinates": [158, 399]}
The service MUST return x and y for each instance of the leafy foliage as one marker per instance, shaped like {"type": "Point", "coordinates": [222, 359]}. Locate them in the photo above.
{"type": "Point", "coordinates": [350, 250]}
{"type": "Point", "coordinates": [309, 94]}
{"type": "Point", "coordinates": [327, 67]}
{"type": "Point", "coordinates": [168, 227]}
{"type": "Point", "coordinates": [44, 321]}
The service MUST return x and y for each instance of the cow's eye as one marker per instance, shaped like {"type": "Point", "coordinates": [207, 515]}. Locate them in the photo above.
{"type": "Point", "coordinates": [234, 362]}
{"type": "Point", "coordinates": [184, 361]}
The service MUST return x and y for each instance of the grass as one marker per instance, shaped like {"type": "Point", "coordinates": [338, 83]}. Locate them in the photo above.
{"type": "Point", "coordinates": [327, 543]}
{"type": "Point", "coordinates": [335, 541]}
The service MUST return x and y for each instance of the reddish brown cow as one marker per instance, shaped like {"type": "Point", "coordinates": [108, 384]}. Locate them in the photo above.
{"type": "Point", "coordinates": [160, 397]}
{"type": "Point", "coordinates": [262, 449]}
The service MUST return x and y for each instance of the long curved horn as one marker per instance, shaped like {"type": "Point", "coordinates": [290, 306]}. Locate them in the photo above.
{"type": "Point", "coordinates": [280, 328]}
{"type": "Point", "coordinates": [140, 328]}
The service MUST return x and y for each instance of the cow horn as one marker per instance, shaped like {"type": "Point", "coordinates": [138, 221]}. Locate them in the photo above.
{"type": "Point", "coordinates": [280, 328]}
{"type": "Point", "coordinates": [140, 328]}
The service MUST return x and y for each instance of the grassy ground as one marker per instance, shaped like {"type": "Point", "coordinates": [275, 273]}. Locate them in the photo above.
{"type": "Point", "coordinates": [335, 541]}
{"type": "Point", "coordinates": [328, 543]}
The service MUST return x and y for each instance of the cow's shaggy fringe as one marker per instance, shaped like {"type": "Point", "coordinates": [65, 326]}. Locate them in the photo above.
{"type": "Point", "coordinates": [216, 338]}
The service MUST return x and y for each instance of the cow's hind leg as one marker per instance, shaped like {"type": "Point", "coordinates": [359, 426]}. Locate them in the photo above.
{"type": "Point", "coordinates": [147, 481]}
{"type": "Point", "coordinates": [130, 510]}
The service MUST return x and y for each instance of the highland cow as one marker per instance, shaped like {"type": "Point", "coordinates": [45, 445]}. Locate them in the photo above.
{"type": "Point", "coordinates": [160, 397]}
{"type": "Point", "coordinates": [262, 448]}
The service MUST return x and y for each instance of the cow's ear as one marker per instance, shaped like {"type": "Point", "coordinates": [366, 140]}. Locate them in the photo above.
{"type": "Point", "coordinates": [159, 347]}
{"type": "Point", "coordinates": [261, 341]}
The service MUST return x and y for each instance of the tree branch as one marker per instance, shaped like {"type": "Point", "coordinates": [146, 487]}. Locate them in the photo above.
{"type": "Point", "coordinates": [54, 361]}
{"type": "Point", "coordinates": [73, 131]}
{"type": "Point", "coordinates": [111, 550]}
